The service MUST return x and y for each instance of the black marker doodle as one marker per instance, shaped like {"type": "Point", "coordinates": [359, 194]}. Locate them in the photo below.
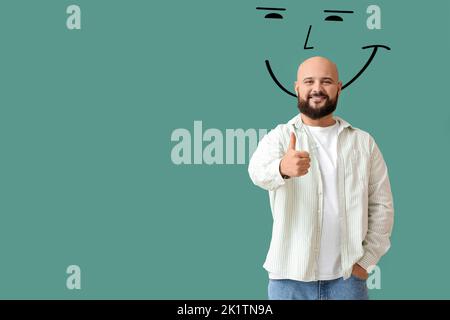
{"type": "Point", "coordinates": [335, 18]}
{"type": "Point", "coordinates": [330, 18]}
{"type": "Point", "coordinates": [272, 15]}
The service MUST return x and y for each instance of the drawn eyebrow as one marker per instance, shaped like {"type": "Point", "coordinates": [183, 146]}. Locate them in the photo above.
{"type": "Point", "coordinates": [334, 17]}
{"type": "Point", "coordinates": [339, 11]}
{"type": "Point", "coordinates": [271, 9]}
{"type": "Point", "coordinates": [272, 15]}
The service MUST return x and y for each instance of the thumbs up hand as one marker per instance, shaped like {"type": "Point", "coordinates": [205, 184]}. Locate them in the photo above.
{"type": "Point", "coordinates": [294, 163]}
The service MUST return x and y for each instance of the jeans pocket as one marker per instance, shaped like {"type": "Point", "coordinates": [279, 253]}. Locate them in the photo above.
{"type": "Point", "coordinates": [358, 278]}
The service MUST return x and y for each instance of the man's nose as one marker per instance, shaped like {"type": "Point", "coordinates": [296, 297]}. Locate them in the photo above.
{"type": "Point", "coordinates": [307, 38]}
{"type": "Point", "coordinates": [316, 88]}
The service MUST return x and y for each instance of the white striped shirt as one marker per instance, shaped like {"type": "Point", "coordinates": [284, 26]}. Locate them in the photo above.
{"type": "Point", "coordinates": [364, 196]}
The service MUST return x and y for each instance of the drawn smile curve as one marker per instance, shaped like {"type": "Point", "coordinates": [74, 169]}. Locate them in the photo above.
{"type": "Point", "coordinates": [369, 61]}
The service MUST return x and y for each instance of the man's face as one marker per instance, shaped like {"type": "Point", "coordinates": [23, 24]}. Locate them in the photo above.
{"type": "Point", "coordinates": [317, 87]}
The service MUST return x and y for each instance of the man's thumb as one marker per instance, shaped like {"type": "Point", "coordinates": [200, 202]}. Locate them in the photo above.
{"type": "Point", "coordinates": [292, 142]}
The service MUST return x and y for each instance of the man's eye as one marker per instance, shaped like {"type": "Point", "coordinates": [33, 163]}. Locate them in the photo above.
{"type": "Point", "coordinates": [272, 15]}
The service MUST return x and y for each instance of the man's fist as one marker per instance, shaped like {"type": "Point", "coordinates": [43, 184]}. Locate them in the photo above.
{"type": "Point", "coordinates": [294, 163]}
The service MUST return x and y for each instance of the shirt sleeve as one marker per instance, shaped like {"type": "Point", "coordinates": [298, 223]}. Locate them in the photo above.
{"type": "Point", "coordinates": [264, 165]}
{"type": "Point", "coordinates": [381, 211]}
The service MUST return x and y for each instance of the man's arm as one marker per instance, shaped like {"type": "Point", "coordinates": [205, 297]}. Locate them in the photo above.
{"type": "Point", "coordinates": [381, 211]}
{"type": "Point", "coordinates": [265, 162]}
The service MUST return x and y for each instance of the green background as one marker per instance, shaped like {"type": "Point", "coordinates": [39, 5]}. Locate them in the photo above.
{"type": "Point", "coordinates": [86, 118]}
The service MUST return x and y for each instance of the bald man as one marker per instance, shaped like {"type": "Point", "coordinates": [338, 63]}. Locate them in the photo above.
{"type": "Point", "coordinates": [329, 193]}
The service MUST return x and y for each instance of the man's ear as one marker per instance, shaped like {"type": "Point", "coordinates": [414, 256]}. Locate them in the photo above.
{"type": "Point", "coordinates": [296, 87]}
{"type": "Point", "coordinates": [339, 87]}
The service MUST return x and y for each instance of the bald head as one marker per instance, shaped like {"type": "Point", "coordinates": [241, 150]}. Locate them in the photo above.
{"type": "Point", "coordinates": [317, 66]}
{"type": "Point", "coordinates": [316, 73]}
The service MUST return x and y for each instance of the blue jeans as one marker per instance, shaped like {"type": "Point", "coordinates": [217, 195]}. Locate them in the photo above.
{"type": "Point", "coordinates": [339, 289]}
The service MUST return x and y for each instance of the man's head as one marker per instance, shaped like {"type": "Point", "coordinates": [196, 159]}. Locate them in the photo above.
{"type": "Point", "coordinates": [318, 87]}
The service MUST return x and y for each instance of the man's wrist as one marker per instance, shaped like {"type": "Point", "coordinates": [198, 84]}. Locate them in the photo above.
{"type": "Point", "coordinates": [284, 176]}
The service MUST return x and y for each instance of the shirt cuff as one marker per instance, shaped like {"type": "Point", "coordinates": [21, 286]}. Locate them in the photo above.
{"type": "Point", "coordinates": [367, 261]}
{"type": "Point", "coordinates": [276, 174]}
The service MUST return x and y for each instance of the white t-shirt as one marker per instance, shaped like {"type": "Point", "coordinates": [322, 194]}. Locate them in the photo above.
{"type": "Point", "coordinates": [329, 261]}
{"type": "Point", "coordinates": [330, 243]}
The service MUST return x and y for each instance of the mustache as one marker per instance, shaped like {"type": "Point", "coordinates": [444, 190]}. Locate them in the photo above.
{"type": "Point", "coordinates": [318, 95]}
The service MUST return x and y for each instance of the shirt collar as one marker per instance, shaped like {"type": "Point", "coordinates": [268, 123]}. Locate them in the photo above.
{"type": "Point", "coordinates": [298, 122]}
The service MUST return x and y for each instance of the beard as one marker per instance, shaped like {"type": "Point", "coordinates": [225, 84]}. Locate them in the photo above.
{"type": "Point", "coordinates": [317, 112]}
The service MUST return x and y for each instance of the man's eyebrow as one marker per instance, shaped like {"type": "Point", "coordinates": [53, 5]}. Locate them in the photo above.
{"type": "Point", "coordinates": [271, 9]}
{"type": "Point", "coordinates": [339, 11]}
{"type": "Point", "coordinates": [323, 78]}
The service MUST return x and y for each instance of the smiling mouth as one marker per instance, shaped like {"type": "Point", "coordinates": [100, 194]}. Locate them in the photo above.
{"type": "Point", "coordinates": [374, 52]}
{"type": "Point", "coordinates": [317, 99]}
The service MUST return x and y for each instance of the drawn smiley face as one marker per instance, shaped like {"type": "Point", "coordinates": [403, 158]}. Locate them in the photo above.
{"type": "Point", "coordinates": [333, 16]}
